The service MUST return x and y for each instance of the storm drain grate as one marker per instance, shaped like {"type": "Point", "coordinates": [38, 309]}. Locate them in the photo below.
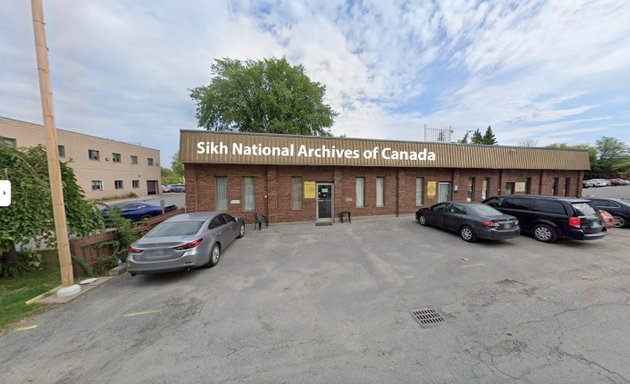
{"type": "Point", "coordinates": [427, 317]}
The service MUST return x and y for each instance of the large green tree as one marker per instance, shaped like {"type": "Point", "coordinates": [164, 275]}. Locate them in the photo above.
{"type": "Point", "coordinates": [489, 138]}
{"type": "Point", "coordinates": [267, 95]}
{"type": "Point", "coordinates": [477, 137]}
{"type": "Point", "coordinates": [29, 218]}
{"type": "Point", "coordinates": [613, 156]}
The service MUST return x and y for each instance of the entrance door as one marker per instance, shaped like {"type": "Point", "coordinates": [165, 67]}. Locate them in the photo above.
{"type": "Point", "coordinates": [444, 191]}
{"type": "Point", "coordinates": [324, 202]}
{"type": "Point", "coordinates": [152, 187]}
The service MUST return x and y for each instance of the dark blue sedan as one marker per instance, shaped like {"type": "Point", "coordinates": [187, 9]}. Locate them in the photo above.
{"type": "Point", "coordinates": [136, 210]}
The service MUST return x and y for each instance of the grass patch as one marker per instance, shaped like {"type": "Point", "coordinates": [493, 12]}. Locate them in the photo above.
{"type": "Point", "coordinates": [15, 291]}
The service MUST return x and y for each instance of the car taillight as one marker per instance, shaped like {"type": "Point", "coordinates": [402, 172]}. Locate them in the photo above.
{"type": "Point", "coordinates": [491, 224]}
{"type": "Point", "coordinates": [134, 250]}
{"type": "Point", "coordinates": [575, 222]}
{"type": "Point", "coordinates": [190, 245]}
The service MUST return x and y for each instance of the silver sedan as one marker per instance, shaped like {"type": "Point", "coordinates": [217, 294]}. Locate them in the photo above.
{"type": "Point", "coordinates": [185, 241]}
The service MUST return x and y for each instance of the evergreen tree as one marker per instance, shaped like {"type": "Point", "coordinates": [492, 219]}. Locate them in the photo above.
{"type": "Point", "coordinates": [477, 137]}
{"type": "Point", "coordinates": [464, 140]}
{"type": "Point", "coordinates": [489, 138]}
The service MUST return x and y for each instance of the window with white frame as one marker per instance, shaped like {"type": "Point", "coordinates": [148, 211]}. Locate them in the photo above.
{"type": "Point", "coordinates": [360, 187]}
{"type": "Point", "coordinates": [221, 194]}
{"type": "Point", "coordinates": [296, 193]}
{"type": "Point", "coordinates": [97, 185]}
{"type": "Point", "coordinates": [248, 193]}
{"type": "Point", "coordinates": [380, 191]}
{"type": "Point", "coordinates": [118, 184]}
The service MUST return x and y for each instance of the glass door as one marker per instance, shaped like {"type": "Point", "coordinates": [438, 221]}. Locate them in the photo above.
{"type": "Point", "coordinates": [324, 201]}
{"type": "Point", "coordinates": [444, 191]}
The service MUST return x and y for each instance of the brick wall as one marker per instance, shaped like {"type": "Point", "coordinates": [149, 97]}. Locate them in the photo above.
{"type": "Point", "coordinates": [273, 187]}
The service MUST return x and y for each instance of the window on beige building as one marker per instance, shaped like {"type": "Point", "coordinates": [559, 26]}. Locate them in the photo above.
{"type": "Point", "coordinates": [93, 154]}
{"type": "Point", "coordinates": [150, 162]}
{"type": "Point", "coordinates": [135, 183]}
{"type": "Point", "coordinates": [9, 141]}
{"type": "Point", "coordinates": [134, 159]}
{"type": "Point", "coordinates": [62, 150]}
{"type": "Point", "coordinates": [97, 185]}
{"type": "Point", "coordinates": [118, 184]}
{"type": "Point", "coordinates": [116, 157]}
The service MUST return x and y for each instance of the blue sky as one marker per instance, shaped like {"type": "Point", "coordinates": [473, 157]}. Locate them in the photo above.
{"type": "Point", "coordinates": [550, 71]}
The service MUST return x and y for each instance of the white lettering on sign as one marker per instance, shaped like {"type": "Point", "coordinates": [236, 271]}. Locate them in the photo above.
{"type": "Point", "coordinates": [303, 151]}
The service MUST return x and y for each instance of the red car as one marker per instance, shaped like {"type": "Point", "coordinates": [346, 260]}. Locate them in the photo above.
{"type": "Point", "coordinates": [609, 220]}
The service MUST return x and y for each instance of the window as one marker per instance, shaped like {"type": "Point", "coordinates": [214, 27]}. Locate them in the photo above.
{"type": "Point", "coordinates": [485, 187]}
{"type": "Point", "coordinates": [516, 203]}
{"type": "Point", "coordinates": [216, 222]}
{"type": "Point", "coordinates": [528, 186]}
{"type": "Point", "coordinates": [549, 207]}
{"type": "Point", "coordinates": [116, 157]}
{"type": "Point", "coordinates": [97, 185]}
{"type": "Point", "coordinates": [134, 159]}
{"type": "Point", "coordinates": [118, 184]}
{"type": "Point", "coordinates": [360, 187]}
{"type": "Point", "coordinates": [380, 191]}
{"type": "Point", "coordinates": [567, 186]}
{"type": "Point", "coordinates": [8, 141]}
{"type": "Point", "coordinates": [149, 162]}
{"type": "Point", "coordinates": [419, 191]}
{"type": "Point", "coordinates": [135, 184]}
{"type": "Point", "coordinates": [470, 192]}
{"type": "Point", "coordinates": [442, 207]}
{"type": "Point", "coordinates": [509, 188]}
{"type": "Point", "coordinates": [554, 187]}
{"type": "Point", "coordinates": [93, 154]}
{"type": "Point", "coordinates": [227, 218]}
{"type": "Point", "coordinates": [248, 193]}
{"type": "Point", "coordinates": [458, 209]}
{"type": "Point", "coordinates": [444, 191]}
{"type": "Point", "coordinates": [296, 193]}
{"type": "Point", "coordinates": [495, 202]}
{"type": "Point", "coordinates": [221, 194]}
{"type": "Point", "coordinates": [61, 150]}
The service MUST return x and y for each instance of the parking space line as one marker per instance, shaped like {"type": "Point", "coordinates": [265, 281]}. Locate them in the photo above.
{"type": "Point", "coordinates": [474, 265]}
{"type": "Point", "coordinates": [30, 327]}
{"type": "Point", "coordinates": [142, 313]}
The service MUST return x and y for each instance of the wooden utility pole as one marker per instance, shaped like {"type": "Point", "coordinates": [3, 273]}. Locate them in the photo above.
{"type": "Point", "coordinates": [54, 171]}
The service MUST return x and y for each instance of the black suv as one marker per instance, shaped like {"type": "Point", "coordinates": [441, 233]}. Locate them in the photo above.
{"type": "Point", "coordinates": [620, 209]}
{"type": "Point", "coordinates": [550, 218]}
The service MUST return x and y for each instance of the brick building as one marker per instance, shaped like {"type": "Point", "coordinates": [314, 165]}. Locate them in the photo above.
{"type": "Point", "coordinates": [299, 178]}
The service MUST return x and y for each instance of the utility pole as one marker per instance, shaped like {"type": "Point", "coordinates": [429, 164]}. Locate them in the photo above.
{"type": "Point", "coordinates": [54, 171]}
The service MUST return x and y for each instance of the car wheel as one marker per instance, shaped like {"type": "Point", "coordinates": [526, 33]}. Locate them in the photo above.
{"type": "Point", "coordinates": [620, 222]}
{"type": "Point", "coordinates": [544, 233]}
{"type": "Point", "coordinates": [422, 220]}
{"type": "Point", "coordinates": [466, 232]}
{"type": "Point", "coordinates": [145, 218]}
{"type": "Point", "coordinates": [241, 232]}
{"type": "Point", "coordinates": [215, 255]}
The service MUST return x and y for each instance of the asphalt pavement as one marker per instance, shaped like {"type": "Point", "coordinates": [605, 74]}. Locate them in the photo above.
{"type": "Point", "coordinates": [305, 304]}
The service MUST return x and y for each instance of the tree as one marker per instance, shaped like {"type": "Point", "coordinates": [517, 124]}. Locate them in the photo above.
{"type": "Point", "coordinates": [489, 138]}
{"type": "Point", "coordinates": [464, 140]}
{"type": "Point", "coordinates": [477, 137]}
{"type": "Point", "coordinates": [266, 95]}
{"type": "Point", "coordinates": [29, 218]}
{"type": "Point", "coordinates": [177, 167]}
{"type": "Point", "coordinates": [528, 143]}
{"type": "Point", "coordinates": [611, 153]}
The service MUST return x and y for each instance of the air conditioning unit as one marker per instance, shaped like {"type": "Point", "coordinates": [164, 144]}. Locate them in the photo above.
{"type": "Point", "coordinates": [107, 159]}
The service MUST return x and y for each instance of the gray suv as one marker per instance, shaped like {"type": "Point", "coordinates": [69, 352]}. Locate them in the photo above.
{"type": "Point", "coordinates": [549, 218]}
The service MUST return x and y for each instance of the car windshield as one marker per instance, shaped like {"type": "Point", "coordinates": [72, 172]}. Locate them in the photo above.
{"type": "Point", "coordinates": [482, 210]}
{"type": "Point", "coordinates": [584, 209]}
{"type": "Point", "coordinates": [175, 228]}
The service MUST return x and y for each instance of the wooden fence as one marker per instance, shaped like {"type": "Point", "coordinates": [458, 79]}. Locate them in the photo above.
{"type": "Point", "coordinates": [87, 250]}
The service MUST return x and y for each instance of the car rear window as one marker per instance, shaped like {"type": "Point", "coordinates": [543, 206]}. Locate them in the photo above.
{"type": "Point", "coordinates": [516, 203]}
{"type": "Point", "coordinates": [175, 228]}
{"type": "Point", "coordinates": [483, 210]}
{"type": "Point", "coordinates": [584, 209]}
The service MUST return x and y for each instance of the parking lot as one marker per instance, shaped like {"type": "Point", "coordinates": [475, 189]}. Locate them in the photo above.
{"type": "Point", "coordinates": [304, 304]}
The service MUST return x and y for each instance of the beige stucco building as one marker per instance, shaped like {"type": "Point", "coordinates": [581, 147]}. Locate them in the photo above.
{"type": "Point", "coordinates": [104, 168]}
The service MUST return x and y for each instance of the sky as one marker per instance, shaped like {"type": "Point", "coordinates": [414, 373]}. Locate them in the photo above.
{"type": "Point", "coordinates": [545, 71]}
